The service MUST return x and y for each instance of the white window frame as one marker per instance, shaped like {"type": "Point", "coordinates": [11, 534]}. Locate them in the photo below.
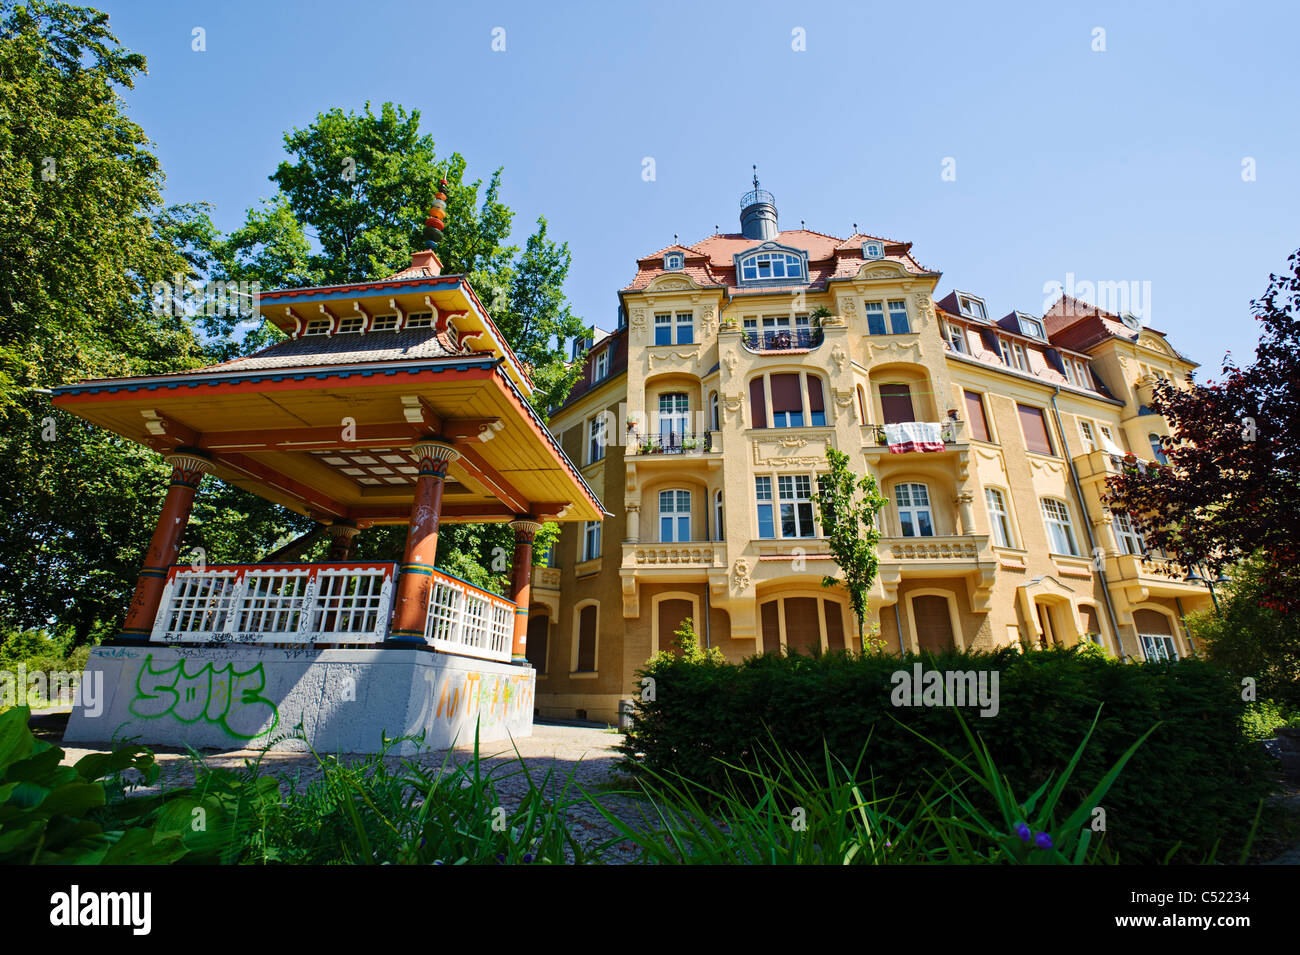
{"type": "Point", "coordinates": [972, 307]}
{"type": "Point", "coordinates": [795, 492]}
{"type": "Point", "coordinates": [719, 532]}
{"type": "Point", "coordinates": [317, 326]}
{"type": "Point", "coordinates": [912, 498]}
{"type": "Point", "coordinates": [876, 309]}
{"type": "Point", "coordinates": [673, 412]}
{"type": "Point", "coordinates": [383, 323]}
{"type": "Point", "coordinates": [1127, 538]}
{"type": "Point", "coordinates": [1060, 527]}
{"type": "Point", "coordinates": [591, 540]}
{"type": "Point", "coordinates": [663, 320]}
{"type": "Point", "coordinates": [764, 497]}
{"type": "Point", "coordinates": [596, 438]}
{"type": "Point", "coordinates": [896, 307]}
{"type": "Point", "coordinates": [1086, 436]}
{"type": "Point", "coordinates": [600, 367]}
{"type": "Point", "coordinates": [873, 250]}
{"type": "Point", "coordinates": [674, 514]}
{"type": "Point", "coordinates": [955, 335]}
{"type": "Point", "coordinates": [999, 517]}
{"type": "Point", "coordinates": [419, 320]}
{"type": "Point", "coordinates": [674, 261]}
{"type": "Point", "coordinates": [684, 320]}
{"type": "Point", "coordinates": [787, 260]}
{"type": "Point", "coordinates": [1035, 329]}
{"type": "Point", "coordinates": [1158, 646]}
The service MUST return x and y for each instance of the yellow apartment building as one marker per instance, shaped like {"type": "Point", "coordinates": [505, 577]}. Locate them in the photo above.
{"type": "Point", "coordinates": [704, 419]}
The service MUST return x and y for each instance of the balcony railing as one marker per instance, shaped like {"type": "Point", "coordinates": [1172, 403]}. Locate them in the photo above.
{"type": "Point", "coordinates": [958, 548]}
{"type": "Point", "coordinates": [783, 339]}
{"type": "Point", "coordinates": [277, 603]}
{"type": "Point", "coordinates": [673, 442]}
{"type": "Point", "coordinates": [334, 603]}
{"type": "Point", "coordinates": [465, 619]}
{"type": "Point", "coordinates": [948, 431]}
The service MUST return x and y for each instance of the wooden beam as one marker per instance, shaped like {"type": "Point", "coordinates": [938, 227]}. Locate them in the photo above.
{"type": "Point", "coordinates": [397, 434]}
{"type": "Point", "coordinates": [418, 411]}
{"type": "Point", "coordinates": [485, 512]}
{"type": "Point", "coordinates": [483, 430]}
{"type": "Point", "coordinates": [266, 475]}
{"type": "Point", "coordinates": [550, 510]}
{"type": "Point", "coordinates": [489, 479]}
{"type": "Point", "coordinates": [167, 432]}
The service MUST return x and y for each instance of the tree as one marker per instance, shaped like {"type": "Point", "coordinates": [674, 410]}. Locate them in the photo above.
{"type": "Point", "coordinates": [360, 186]}
{"type": "Point", "coordinates": [847, 506]}
{"type": "Point", "coordinates": [1232, 484]}
{"type": "Point", "coordinates": [1250, 638]}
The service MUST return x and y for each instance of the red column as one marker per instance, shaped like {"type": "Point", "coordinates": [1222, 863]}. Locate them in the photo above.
{"type": "Point", "coordinates": [187, 472]}
{"type": "Point", "coordinates": [411, 607]}
{"type": "Point", "coordinates": [341, 534]}
{"type": "Point", "coordinates": [525, 530]}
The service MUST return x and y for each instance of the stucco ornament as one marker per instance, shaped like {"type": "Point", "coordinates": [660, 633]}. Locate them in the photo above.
{"type": "Point", "coordinates": [729, 362]}
{"type": "Point", "coordinates": [740, 575]}
{"type": "Point", "coordinates": [838, 356]}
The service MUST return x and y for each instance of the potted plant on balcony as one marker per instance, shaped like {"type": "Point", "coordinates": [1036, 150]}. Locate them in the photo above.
{"type": "Point", "coordinates": [690, 442]}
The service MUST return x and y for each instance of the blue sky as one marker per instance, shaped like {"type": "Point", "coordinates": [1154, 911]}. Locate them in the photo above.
{"type": "Point", "coordinates": [1117, 166]}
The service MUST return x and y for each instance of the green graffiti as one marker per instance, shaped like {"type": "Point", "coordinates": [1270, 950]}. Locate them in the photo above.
{"type": "Point", "coordinates": [225, 697]}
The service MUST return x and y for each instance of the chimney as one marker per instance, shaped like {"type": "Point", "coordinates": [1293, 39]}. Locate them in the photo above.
{"type": "Point", "coordinates": [427, 260]}
{"type": "Point", "coordinates": [758, 213]}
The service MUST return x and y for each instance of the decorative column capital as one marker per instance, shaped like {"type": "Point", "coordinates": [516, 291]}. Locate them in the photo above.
{"type": "Point", "coordinates": [342, 530]}
{"type": "Point", "coordinates": [525, 528]}
{"type": "Point", "coordinates": [188, 467]}
{"type": "Point", "coordinates": [434, 456]}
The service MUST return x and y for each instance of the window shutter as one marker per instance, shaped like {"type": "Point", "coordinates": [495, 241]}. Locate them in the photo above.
{"type": "Point", "coordinates": [587, 639]}
{"type": "Point", "coordinates": [933, 625]}
{"type": "Point", "coordinates": [1090, 620]}
{"type": "Point", "coordinates": [803, 631]}
{"type": "Point", "coordinates": [815, 394]}
{"type": "Point", "coordinates": [785, 394]}
{"type": "Point", "coordinates": [1148, 621]}
{"type": "Point", "coordinates": [671, 615]}
{"type": "Point", "coordinates": [757, 404]}
{"type": "Point", "coordinates": [771, 626]}
{"type": "Point", "coordinates": [979, 424]}
{"type": "Point", "coordinates": [1034, 424]}
{"type": "Point", "coordinates": [834, 625]}
{"type": "Point", "coordinates": [896, 403]}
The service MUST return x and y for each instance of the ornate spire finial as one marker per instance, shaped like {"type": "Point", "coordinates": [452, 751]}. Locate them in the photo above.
{"type": "Point", "coordinates": [437, 221]}
{"type": "Point", "coordinates": [756, 176]}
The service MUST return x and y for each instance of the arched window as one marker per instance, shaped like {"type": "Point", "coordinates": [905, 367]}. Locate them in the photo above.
{"type": "Point", "coordinates": [914, 515]}
{"type": "Point", "coordinates": [1156, 450]}
{"type": "Point", "coordinates": [999, 520]}
{"type": "Point", "coordinates": [674, 516]}
{"type": "Point", "coordinates": [713, 411]}
{"type": "Point", "coordinates": [718, 525]}
{"type": "Point", "coordinates": [769, 266]}
{"type": "Point", "coordinates": [1060, 532]}
{"type": "Point", "coordinates": [585, 642]}
{"type": "Point", "coordinates": [1155, 635]}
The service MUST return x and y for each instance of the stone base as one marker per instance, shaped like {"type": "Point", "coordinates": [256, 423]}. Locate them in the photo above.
{"type": "Point", "coordinates": [245, 696]}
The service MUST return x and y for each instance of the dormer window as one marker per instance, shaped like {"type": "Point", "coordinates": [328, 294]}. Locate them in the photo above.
{"type": "Point", "coordinates": [972, 307]}
{"type": "Point", "coordinates": [384, 323]}
{"type": "Point", "coordinates": [600, 367]}
{"type": "Point", "coordinates": [674, 261]}
{"type": "Point", "coordinates": [318, 326]}
{"type": "Point", "coordinates": [873, 250]}
{"type": "Point", "coordinates": [770, 266]}
{"type": "Point", "coordinates": [351, 325]}
{"type": "Point", "coordinates": [580, 347]}
{"type": "Point", "coordinates": [420, 320]}
{"type": "Point", "coordinates": [1031, 327]}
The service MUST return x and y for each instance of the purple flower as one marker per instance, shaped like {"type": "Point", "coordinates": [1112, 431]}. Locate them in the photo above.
{"type": "Point", "coordinates": [528, 857]}
{"type": "Point", "coordinates": [1043, 840]}
{"type": "Point", "coordinates": [501, 858]}
{"type": "Point", "coordinates": [1023, 831]}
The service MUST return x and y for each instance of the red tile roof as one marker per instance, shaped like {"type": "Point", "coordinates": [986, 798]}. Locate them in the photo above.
{"type": "Point", "coordinates": [711, 261]}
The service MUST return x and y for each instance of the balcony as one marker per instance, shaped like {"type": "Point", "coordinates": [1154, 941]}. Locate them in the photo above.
{"type": "Point", "coordinates": [671, 442]}
{"type": "Point", "coordinates": [331, 604]}
{"type": "Point", "coordinates": [684, 554]}
{"type": "Point", "coordinates": [782, 339]}
{"type": "Point", "coordinates": [956, 549]}
{"type": "Point", "coordinates": [949, 432]}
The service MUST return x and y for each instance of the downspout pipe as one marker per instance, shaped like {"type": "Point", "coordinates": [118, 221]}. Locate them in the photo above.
{"type": "Point", "coordinates": [1087, 524]}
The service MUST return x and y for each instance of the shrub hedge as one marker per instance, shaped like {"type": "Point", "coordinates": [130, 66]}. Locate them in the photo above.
{"type": "Point", "coordinates": [1195, 782]}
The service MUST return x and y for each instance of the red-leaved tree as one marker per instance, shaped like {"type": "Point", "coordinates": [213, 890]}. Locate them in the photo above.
{"type": "Point", "coordinates": [1232, 485]}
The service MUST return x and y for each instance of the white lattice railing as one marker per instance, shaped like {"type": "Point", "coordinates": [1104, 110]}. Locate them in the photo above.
{"type": "Point", "coordinates": [277, 603]}
{"type": "Point", "coordinates": [465, 619]}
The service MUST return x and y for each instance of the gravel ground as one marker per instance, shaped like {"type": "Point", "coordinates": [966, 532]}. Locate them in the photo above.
{"type": "Point", "coordinates": [586, 752]}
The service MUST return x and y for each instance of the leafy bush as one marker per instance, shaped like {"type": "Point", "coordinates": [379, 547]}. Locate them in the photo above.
{"type": "Point", "coordinates": [1251, 638]}
{"type": "Point", "coordinates": [1261, 719]}
{"type": "Point", "coordinates": [1197, 779]}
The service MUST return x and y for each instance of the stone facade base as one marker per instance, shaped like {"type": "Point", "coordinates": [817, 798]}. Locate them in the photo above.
{"type": "Point", "coordinates": [244, 696]}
